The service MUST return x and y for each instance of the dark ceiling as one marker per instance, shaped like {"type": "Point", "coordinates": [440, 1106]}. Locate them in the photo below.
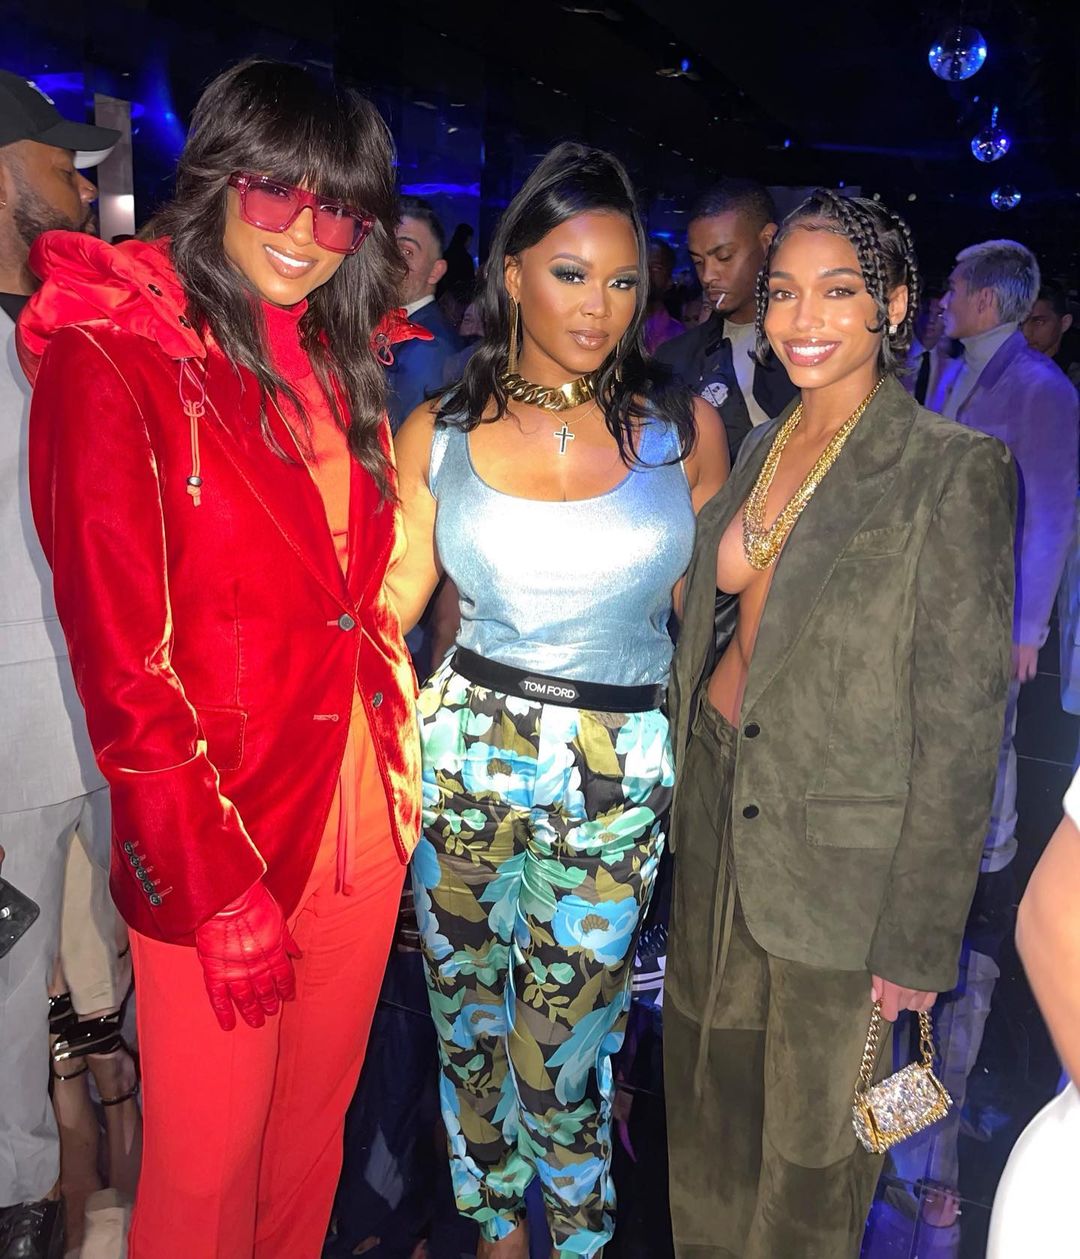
{"type": "Point", "coordinates": [792, 93]}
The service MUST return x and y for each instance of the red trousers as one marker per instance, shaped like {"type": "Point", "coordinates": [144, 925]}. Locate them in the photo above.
{"type": "Point", "coordinates": [243, 1129]}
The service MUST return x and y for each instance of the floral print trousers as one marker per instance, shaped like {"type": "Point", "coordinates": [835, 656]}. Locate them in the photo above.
{"type": "Point", "coordinates": [542, 836]}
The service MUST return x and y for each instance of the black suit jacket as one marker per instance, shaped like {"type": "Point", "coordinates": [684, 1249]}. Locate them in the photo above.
{"type": "Point", "coordinates": [417, 370]}
{"type": "Point", "coordinates": [702, 356]}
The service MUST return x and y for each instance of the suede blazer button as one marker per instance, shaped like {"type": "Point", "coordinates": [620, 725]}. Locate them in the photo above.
{"type": "Point", "coordinates": [751, 811]}
{"type": "Point", "coordinates": [376, 699]}
{"type": "Point", "coordinates": [752, 730]}
{"type": "Point", "coordinates": [346, 622]}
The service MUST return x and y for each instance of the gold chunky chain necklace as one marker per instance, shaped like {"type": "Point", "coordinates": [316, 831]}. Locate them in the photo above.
{"type": "Point", "coordinates": [548, 397]}
{"type": "Point", "coordinates": [761, 546]}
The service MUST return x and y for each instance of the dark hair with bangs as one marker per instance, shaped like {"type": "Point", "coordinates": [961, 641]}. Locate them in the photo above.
{"type": "Point", "coordinates": [280, 120]}
{"type": "Point", "coordinates": [570, 180]}
{"type": "Point", "coordinates": [886, 252]}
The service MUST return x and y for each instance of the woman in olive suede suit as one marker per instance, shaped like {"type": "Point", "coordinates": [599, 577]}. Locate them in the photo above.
{"type": "Point", "coordinates": [835, 716]}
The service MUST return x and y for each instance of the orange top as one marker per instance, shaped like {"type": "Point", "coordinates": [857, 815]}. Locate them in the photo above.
{"type": "Point", "coordinates": [358, 820]}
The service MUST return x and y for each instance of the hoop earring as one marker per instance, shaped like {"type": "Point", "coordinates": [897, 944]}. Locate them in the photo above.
{"type": "Point", "coordinates": [512, 353]}
{"type": "Point", "coordinates": [618, 365]}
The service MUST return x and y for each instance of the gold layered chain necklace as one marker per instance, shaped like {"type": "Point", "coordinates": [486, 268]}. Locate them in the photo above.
{"type": "Point", "coordinates": [762, 545]}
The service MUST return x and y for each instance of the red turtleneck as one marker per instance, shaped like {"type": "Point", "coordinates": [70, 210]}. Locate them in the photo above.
{"type": "Point", "coordinates": [329, 461]}
{"type": "Point", "coordinates": [358, 819]}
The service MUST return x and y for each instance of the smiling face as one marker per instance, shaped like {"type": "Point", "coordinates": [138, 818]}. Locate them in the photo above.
{"type": "Point", "coordinates": [284, 267]}
{"type": "Point", "coordinates": [820, 314]}
{"type": "Point", "coordinates": [578, 292]}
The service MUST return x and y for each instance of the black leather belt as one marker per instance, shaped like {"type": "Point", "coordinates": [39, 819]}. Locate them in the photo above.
{"type": "Point", "coordinates": [597, 696]}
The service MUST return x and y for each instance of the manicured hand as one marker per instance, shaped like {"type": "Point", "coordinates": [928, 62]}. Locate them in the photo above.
{"type": "Point", "coordinates": [246, 953]}
{"type": "Point", "coordinates": [893, 998]}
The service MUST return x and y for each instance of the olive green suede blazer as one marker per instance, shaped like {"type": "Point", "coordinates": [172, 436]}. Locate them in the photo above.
{"type": "Point", "coordinates": [874, 707]}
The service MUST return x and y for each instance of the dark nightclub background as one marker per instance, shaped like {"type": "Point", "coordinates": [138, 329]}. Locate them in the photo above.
{"type": "Point", "coordinates": [791, 94]}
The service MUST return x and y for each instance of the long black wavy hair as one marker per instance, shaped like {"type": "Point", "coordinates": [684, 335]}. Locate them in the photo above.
{"type": "Point", "coordinates": [570, 180]}
{"type": "Point", "coordinates": [278, 119]}
{"type": "Point", "coordinates": [886, 252]}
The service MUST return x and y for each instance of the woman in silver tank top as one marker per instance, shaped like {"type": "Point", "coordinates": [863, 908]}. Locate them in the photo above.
{"type": "Point", "coordinates": [556, 487]}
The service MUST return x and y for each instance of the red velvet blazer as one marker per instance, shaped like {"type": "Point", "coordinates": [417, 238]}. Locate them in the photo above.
{"type": "Point", "coordinates": [215, 641]}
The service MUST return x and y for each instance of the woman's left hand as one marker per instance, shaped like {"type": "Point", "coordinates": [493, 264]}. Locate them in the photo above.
{"type": "Point", "coordinates": [894, 998]}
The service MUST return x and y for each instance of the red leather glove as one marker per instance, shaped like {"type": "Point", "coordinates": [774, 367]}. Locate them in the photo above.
{"type": "Point", "coordinates": [245, 952]}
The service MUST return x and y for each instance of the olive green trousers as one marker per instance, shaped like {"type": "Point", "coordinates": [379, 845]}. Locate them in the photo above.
{"type": "Point", "coordinates": [761, 1055]}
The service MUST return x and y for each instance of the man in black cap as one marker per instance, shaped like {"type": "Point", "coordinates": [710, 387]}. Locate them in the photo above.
{"type": "Point", "coordinates": [48, 781]}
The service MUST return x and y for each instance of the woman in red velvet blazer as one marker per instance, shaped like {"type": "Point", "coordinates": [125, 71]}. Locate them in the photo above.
{"type": "Point", "coordinates": [213, 486]}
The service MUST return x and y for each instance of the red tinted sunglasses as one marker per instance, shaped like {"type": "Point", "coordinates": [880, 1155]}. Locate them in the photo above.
{"type": "Point", "coordinates": [275, 207]}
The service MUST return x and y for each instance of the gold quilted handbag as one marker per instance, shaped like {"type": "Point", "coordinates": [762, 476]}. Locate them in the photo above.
{"type": "Point", "coordinates": [897, 1107]}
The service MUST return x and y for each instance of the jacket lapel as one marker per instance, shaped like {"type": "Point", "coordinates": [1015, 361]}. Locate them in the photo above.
{"type": "Point", "coordinates": [993, 371]}
{"type": "Point", "coordinates": [695, 654]}
{"type": "Point", "coordinates": [284, 489]}
{"type": "Point", "coordinates": [852, 488]}
{"type": "Point", "coordinates": [372, 522]}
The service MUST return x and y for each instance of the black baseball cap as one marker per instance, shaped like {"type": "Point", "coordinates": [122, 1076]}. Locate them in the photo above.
{"type": "Point", "coordinates": [26, 113]}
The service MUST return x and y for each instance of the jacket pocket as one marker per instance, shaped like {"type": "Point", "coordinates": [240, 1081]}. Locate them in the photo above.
{"type": "Point", "coordinates": [223, 729]}
{"type": "Point", "coordinates": [854, 822]}
{"type": "Point", "coordinates": [870, 542]}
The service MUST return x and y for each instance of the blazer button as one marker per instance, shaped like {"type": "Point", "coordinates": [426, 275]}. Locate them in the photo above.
{"type": "Point", "coordinates": [155, 900]}
{"type": "Point", "coordinates": [751, 811]}
{"type": "Point", "coordinates": [376, 699]}
{"type": "Point", "coordinates": [346, 622]}
{"type": "Point", "coordinates": [129, 846]}
{"type": "Point", "coordinates": [752, 730]}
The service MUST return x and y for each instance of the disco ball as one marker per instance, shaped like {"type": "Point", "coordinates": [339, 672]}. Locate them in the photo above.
{"type": "Point", "coordinates": [1005, 198]}
{"type": "Point", "coordinates": [957, 53]}
{"type": "Point", "coordinates": [992, 142]}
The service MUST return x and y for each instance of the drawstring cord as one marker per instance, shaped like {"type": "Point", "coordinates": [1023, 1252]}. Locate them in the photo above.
{"type": "Point", "coordinates": [194, 409]}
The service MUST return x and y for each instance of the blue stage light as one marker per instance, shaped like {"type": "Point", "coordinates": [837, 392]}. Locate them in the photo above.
{"type": "Point", "coordinates": [957, 53]}
{"type": "Point", "coordinates": [992, 142]}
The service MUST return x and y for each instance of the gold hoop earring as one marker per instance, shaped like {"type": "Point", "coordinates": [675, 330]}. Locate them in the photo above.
{"type": "Point", "coordinates": [512, 353]}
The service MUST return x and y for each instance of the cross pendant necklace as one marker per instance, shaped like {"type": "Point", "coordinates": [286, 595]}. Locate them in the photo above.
{"type": "Point", "coordinates": [562, 436]}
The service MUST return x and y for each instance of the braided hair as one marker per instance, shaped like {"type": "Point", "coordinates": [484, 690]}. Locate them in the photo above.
{"type": "Point", "coordinates": [886, 252]}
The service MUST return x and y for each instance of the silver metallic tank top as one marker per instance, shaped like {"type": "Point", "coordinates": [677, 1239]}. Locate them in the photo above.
{"type": "Point", "coordinates": [578, 590]}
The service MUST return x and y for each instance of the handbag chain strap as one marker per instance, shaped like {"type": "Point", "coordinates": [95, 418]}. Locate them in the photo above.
{"type": "Point", "coordinates": [873, 1045]}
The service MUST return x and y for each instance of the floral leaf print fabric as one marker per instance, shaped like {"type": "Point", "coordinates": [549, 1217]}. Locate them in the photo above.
{"type": "Point", "coordinates": [542, 835]}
